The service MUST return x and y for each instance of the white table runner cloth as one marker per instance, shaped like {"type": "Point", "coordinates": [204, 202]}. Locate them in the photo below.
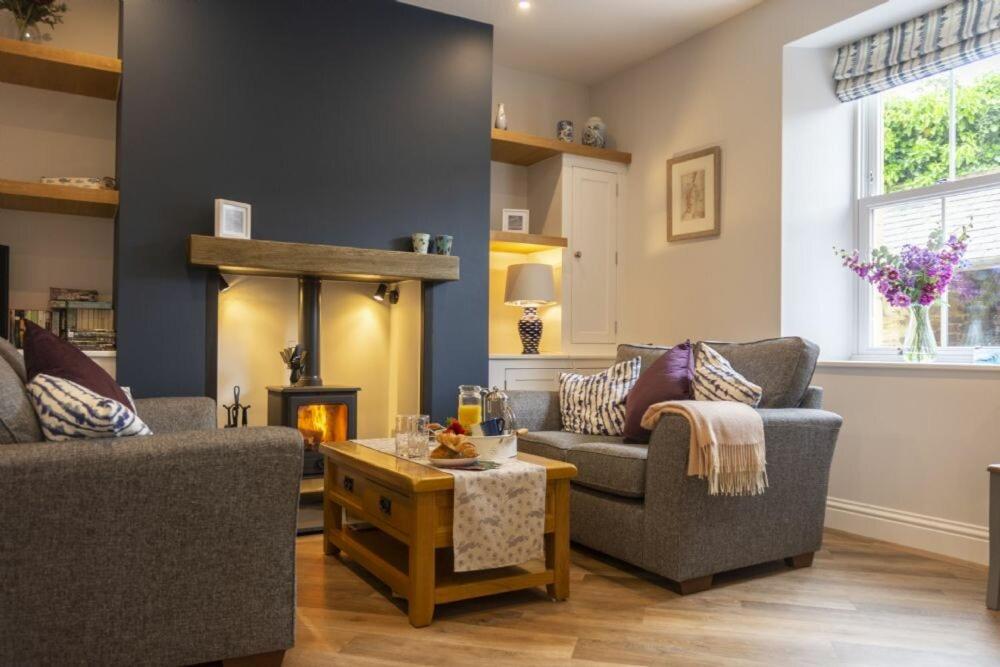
{"type": "Point", "coordinates": [499, 514]}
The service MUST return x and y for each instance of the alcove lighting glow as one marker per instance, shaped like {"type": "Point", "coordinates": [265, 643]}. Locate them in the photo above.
{"type": "Point", "coordinates": [524, 4]}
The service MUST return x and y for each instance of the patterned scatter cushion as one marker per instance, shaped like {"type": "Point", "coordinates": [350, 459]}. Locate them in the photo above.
{"type": "Point", "coordinates": [715, 380]}
{"type": "Point", "coordinates": [595, 404]}
{"type": "Point", "coordinates": [67, 410]}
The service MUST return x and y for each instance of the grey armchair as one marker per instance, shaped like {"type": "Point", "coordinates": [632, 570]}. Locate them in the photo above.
{"type": "Point", "coordinates": [172, 549]}
{"type": "Point", "coordinates": [635, 501]}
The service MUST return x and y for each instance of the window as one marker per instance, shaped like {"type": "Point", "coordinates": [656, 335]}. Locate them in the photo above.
{"type": "Point", "coordinates": [930, 164]}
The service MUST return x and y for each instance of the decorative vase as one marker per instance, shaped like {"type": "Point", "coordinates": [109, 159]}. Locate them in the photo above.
{"type": "Point", "coordinates": [919, 343]}
{"type": "Point", "coordinates": [28, 32]}
{"type": "Point", "coordinates": [421, 242]}
{"type": "Point", "coordinates": [564, 131]}
{"type": "Point", "coordinates": [501, 121]}
{"type": "Point", "coordinates": [595, 132]}
{"type": "Point", "coordinates": [530, 329]}
{"type": "Point", "coordinates": [442, 244]}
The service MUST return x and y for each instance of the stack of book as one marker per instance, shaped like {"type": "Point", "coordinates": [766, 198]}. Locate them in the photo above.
{"type": "Point", "coordinates": [77, 316]}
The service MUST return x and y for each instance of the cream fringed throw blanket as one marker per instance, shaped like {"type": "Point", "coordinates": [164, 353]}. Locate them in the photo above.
{"type": "Point", "coordinates": [727, 444]}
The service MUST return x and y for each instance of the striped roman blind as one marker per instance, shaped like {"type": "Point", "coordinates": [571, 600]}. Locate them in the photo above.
{"type": "Point", "coordinates": [958, 33]}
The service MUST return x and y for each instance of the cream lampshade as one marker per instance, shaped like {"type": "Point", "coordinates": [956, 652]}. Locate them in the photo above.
{"type": "Point", "coordinates": [530, 286]}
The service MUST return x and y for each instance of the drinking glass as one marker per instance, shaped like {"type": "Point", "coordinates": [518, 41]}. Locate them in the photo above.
{"type": "Point", "coordinates": [411, 436]}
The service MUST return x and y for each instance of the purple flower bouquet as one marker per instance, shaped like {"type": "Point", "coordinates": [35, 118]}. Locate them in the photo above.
{"type": "Point", "coordinates": [915, 279]}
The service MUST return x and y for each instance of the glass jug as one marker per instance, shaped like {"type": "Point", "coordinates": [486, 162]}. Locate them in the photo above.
{"type": "Point", "coordinates": [470, 405]}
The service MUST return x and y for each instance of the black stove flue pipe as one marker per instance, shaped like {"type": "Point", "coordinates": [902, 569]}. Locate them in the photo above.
{"type": "Point", "coordinates": [309, 312]}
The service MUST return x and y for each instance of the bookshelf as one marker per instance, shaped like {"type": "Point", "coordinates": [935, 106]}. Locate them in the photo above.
{"type": "Point", "coordinates": [524, 243]}
{"type": "Point", "coordinates": [40, 66]}
{"type": "Point", "coordinates": [527, 149]}
{"type": "Point", "coordinates": [47, 198]}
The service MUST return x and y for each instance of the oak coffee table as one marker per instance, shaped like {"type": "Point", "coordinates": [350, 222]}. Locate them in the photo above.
{"type": "Point", "coordinates": [410, 507]}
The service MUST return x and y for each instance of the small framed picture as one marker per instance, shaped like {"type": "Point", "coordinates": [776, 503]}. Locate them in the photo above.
{"type": "Point", "coordinates": [694, 194]}
{"type": "Point", "coordinates": [232, 219]}
{"type": "Point", "coordinates": [515, 220]}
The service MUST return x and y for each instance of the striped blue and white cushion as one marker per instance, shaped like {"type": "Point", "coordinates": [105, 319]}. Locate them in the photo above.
{"type": "Point", "coordinates": [715, 380]}
{"type": "Point", "coordinates": [67, 411]}
{"type": "Point", "coordinates": [595, 404]}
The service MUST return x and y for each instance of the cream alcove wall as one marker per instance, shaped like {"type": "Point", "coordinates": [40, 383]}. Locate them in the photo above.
{"type": "Point", "coordinates": [910, 461]}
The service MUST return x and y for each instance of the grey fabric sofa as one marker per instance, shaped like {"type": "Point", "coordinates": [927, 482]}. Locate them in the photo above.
{"type": "Point", "coordinates": [171, 549]}
{"type": "Point", "coordinates": [635, 501]}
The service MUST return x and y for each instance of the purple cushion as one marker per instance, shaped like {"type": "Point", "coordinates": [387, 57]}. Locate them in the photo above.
{"type": "Point", "coordinates": [667, 379]}
{"type": "Point", "coordinates": [44, 352]}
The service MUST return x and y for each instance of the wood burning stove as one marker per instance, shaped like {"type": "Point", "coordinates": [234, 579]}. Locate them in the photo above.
{"type": "Point", "coordinates": [322, 413]}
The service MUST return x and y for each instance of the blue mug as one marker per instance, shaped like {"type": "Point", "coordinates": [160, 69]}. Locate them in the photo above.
{"type": "Point", "coordinates": [493, 426]}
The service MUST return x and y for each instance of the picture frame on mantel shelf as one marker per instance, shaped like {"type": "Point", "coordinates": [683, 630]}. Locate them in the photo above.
{"type": "Point", "coordinates": [694, 195]}
{"type": "Point", "coordinates": [232, 219]}
{"type": "Point", "coordinates": [515, 220]}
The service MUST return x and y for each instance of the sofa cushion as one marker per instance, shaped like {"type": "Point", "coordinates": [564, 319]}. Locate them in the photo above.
{"type": "Point", "coordinates": [715, 380]}
{"type": "Point", "coordinates": [667, 379]}
{"type": "Point", "coordinates": [14, 358]}
{"type": "Point", "coordinates": [783, 367]}
{"type": "Point", "coordinates": [595, 403]}
{"type": "Point", "coordinates": [44, 352]}
{"type": "Point", "coordinates": [67, 411]}
{"type": "Point", "coordinates": [611, 467]}
{"type": "Point", "coordinates": [555, 444]}
{"type": "Point", "coordinates": [647, 354]}
{"type": "Point", "coordinates": [17, 418]}
{"type": "Point", "coordinates": [603, 463]}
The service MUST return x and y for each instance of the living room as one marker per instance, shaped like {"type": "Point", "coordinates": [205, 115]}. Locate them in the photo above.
{"type": "Point", "coordinates": [693, 361]}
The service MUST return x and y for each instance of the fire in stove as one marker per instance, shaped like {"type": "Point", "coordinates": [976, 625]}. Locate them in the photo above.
{"type": "Point", "coordinates": [321, 423]}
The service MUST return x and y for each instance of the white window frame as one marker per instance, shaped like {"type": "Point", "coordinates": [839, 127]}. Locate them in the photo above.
{"type": "Point", "coordinates": [869, 182]}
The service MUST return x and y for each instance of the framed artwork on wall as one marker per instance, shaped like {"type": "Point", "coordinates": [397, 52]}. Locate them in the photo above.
{"type": "Point", "coordinates": [232, 219]}
{"type": "Point", "coordinates": [515, 220]}
{"type": "Point", "coordinates": [694, 194]}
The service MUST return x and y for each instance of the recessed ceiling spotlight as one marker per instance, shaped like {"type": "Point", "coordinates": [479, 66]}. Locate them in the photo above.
{"type": "Point", "coordinates": [524, 4]}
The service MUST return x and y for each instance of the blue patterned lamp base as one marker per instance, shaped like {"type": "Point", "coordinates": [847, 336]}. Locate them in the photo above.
{"type": "Point", "coordinates": [530, 328]}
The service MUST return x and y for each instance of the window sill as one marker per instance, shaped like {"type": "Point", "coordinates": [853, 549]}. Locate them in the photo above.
{"type": "Point", "coordinates": [858, 364]}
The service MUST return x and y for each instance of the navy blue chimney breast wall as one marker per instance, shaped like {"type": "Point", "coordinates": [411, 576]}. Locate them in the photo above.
{"type": "Point", "coordinates": [349, 122]}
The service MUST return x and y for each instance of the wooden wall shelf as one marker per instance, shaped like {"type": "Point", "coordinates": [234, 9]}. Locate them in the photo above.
{"type": "Point", "coordinates": [524, 243]}
{"type": "Point", "coordinates": [38, 66]}
{"type": "Point", "coordinates": [527, 149]}
{"type": "Point", "coordinates": [45, 198]}
{"type": "Point", "coordinates": [277, 258]}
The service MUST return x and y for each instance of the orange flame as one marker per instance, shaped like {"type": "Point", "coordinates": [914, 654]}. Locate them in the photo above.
{"type": "Point", "coordinates": [322, 423]}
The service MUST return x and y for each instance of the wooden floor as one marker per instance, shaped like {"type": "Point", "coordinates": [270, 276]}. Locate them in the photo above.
{"type": "Point", "coordinates": [862, 603]}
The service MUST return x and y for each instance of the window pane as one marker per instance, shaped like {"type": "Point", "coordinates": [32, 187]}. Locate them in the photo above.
{"type": "Point", "coordinates": [977, 118]}
{"type": "Point", "coordinates": [974, 295]}
{"type": "Point", "coordinates": [915, 121]}
{"type": "Point", "coordinates": [895, 226]}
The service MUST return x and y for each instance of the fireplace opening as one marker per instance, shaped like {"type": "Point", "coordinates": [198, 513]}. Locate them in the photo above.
{"type": "Point", "coordinates": [322, 422]}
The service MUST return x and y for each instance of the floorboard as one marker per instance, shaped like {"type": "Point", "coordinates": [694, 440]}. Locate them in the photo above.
{"type": "Point", "coordinates": [862, 602]}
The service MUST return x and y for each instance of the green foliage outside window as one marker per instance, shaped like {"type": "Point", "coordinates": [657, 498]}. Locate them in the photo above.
{"type": "Point", "coordinates": [916, 143]}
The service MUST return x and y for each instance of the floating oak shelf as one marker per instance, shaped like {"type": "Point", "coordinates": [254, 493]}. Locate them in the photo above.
{"type": "Point", "coordinates": [46, 198]}
{"type": "Point", "coordinates": [277, 258]}
{"type": "Point", "coordinates": [38, 66]}
{"type": "Point", "coordinates": [526, 149]}
{"type": "Point", "coordinates": [524, 243]}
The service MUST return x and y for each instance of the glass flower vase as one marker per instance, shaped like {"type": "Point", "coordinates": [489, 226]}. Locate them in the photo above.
{"type": "Point", "coordinates": [919, 343]}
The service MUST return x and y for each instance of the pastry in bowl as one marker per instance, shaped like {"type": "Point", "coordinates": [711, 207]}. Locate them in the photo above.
{"type": "Point", "coordinates": [453, 446]}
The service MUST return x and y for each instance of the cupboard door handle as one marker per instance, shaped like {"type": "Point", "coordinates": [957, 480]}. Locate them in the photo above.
{"type": "Point", "coordinates": [385, 505]}
{"type": "Point", "coordinates": [578, 254]}
{"type": "Point", "coordinates": [349, 484]}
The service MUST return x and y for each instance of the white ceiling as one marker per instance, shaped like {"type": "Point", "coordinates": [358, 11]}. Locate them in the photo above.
{"type": "Point", "coordinates": [587, 40]}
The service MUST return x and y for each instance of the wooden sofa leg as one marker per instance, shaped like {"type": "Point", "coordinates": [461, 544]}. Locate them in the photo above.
{"type": "Point", "coordinates": [270, 659]}
{"type": "Point", "coordinates": [696, 585]}
{"type": "Point", "coordinates": [802, 560]}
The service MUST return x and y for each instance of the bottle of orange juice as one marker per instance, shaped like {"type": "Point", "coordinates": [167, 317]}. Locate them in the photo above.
{"type": "Point", "coordinates": [470, 405]}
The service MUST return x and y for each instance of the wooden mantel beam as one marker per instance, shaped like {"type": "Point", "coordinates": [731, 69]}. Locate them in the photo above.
{"type": "Point", "coordinates": [330, 262]}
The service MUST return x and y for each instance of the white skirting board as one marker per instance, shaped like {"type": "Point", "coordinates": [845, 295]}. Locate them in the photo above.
{"type": "Point", "coordinates": [955, 539]}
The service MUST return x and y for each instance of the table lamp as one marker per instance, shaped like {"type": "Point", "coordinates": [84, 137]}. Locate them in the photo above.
{"type": "Point", "coordinates": [530, 286]}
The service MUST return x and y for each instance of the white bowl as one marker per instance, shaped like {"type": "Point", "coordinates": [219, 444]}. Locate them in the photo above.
{"type": "Point", "coordinates": [495, 447]}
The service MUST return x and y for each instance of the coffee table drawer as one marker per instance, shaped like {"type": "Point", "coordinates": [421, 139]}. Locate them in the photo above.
{"type": "Point", "coordinates": [350, 483]}
{"type": "Point", "coordinates": [389, 506]}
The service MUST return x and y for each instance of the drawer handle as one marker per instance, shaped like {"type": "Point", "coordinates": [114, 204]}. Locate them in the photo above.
{"type": "Point", "coordinates": [385, 505]}
{"type": "Point", "coordinates": [349, 484]}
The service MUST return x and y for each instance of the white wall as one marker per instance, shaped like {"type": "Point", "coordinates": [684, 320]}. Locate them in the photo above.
{"type": "Point", "coordinates": [910, 462]}
{"type": "Point", "coordinates": [47, 133]}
